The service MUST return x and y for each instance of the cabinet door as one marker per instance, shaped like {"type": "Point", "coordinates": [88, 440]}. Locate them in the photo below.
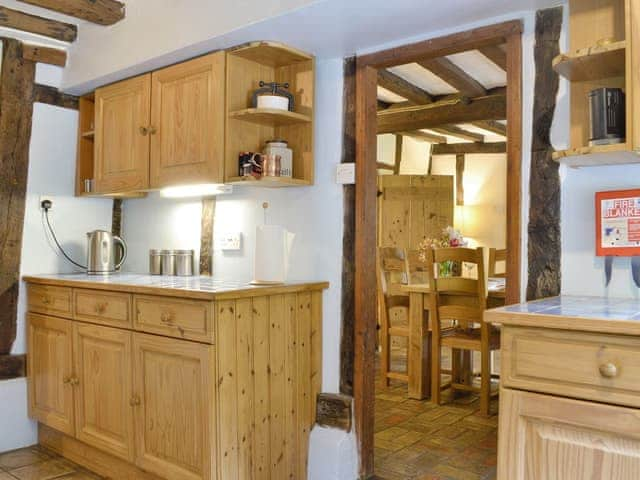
{"type": "Point", "coordinates": [187, 118]}
{"type": "Point", "coordinates": [50, 372]}
{"type": "Point", "coordinates": [104, 407]}
{"type": "Point", "coordinates": [121, 136]}
{"type": "Point", "coordinates": [550, 438]}
{"type": "Point", "coordinates": [173, 380]}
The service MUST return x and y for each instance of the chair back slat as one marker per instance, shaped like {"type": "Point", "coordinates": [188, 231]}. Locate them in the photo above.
{"type": "Point", "coordinates": [468, 286]}
{"type": "Point", "coordinates": [496, 256]}
{"type": "Point", "coordinates": [393, 301]}
{"type": "Point", "coordinates": [416, 268]}
{"type": "Point", "coordinates": [455, 254]}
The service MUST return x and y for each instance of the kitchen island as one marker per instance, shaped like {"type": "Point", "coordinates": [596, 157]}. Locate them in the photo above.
{"type": "Point", "coordinates": [570, 389]}
{"type": "Point", "coordinates": [194, 378]}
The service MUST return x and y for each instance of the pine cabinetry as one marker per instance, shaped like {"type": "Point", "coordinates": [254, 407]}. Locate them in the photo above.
{"type": "Point", "coordinates": [186, 389]}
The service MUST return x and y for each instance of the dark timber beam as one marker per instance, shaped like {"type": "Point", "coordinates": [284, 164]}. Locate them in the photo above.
{"type": "Point", "coordinates": [102, 12]}
{"type": "Point", "coordinates": [441, 113]}
{"type": "Point", "coordinates": [492, 126]}
{"type": "Point", "coordinates": [456, 77]}
{"type": "Point", "coordinates": [17, 77]}
{"type": "Point", "coordinates": [334, 410]}
{"type": "Point", "coordinates": [52, 96]}
{"type": "Point", "coordinates": [206, 235]}
{"type": "Point", "coordinates": [398, 157]}
{"type": "Point", "coordinates": [400, 86]}
{"type": "Point", "coordinates": [13, 366]}
{"type": "Point", "coordinates": [469, 148]}
{"type": "Point", "coordinates": [460, 133]}
{"type": "Point", "coordinates": [33, 24]}
{"type": "Point", "coordinates": [40, 54]}
{"type": "Point", "coordinates": [544, 183]}
{"type": "Point", "coordinates": [424, 136]}
{"type": "Point", "coordinates": [496, 54]}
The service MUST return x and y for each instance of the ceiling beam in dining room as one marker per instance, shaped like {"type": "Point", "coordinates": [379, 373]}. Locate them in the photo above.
{"type": "Point", "coordinates": [398, 85]}
{"type": "Point", "coordinates": [26, 22]}
{"type": "Point", "coordinates": [469, 148]}
{"type": "Point", "coordinates": [448, 71]}
{"type": "Point", "coordinates": [496, 54]}
{"type": "Point", "coordinates": [492, 126]}
{"type": "Point", "coordinates": [457, 132]}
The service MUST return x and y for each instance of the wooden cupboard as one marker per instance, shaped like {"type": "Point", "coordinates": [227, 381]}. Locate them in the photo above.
{"type": "Point", "coordinates": [50, 372]}
{"type": "Point", "coordinates": [122, 136]}
{"type": "Point", "coordinates": [187, 122]}
{"type": "Point", "coordinates": [146, 400]}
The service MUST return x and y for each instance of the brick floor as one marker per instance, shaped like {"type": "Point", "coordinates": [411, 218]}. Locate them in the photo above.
{"type": "Point", "coordinates": [38, 463]}
{"type": "Point", "coordinates": [417, 440]}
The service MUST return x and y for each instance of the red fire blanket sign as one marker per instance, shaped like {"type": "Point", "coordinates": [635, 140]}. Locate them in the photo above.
{"type": "Point", "coordinates": [618, 223]}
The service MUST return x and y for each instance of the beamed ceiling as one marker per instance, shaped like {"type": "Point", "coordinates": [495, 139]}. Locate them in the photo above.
{"type": "Point", "coordinates": [456, 102]}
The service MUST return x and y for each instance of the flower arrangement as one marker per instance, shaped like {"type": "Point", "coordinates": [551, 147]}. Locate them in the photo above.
{"type": "Point", "coordinates": [450, 237]}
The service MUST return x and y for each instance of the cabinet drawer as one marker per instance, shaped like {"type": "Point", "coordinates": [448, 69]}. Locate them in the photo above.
{"type": "Point", "coordinates": [105, 308]}
{"type": "Point", "coordinates": [190, 319]}
{"type": "Point", "coordinates": [48, 299]}
{"type": "Point", "coordinates": [604, 368]}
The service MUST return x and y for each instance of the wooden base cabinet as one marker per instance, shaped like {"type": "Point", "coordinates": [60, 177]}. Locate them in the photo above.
{"type": "Point", "coordinates": [543, 437]}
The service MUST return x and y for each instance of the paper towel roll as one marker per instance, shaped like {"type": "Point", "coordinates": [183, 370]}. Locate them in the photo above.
{"type": "Point", "coordinates": [271, 261]}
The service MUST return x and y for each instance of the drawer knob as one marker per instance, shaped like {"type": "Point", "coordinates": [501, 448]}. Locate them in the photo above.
{"type": "Point", "coordinates": [144, 131]}
{"type": "Point", "coordinates": [100, 308]}
{"type": "Point", "coordinates": [166, 317]}
{"type": "Point", "coordinates": [608, 370]}
{"type": "Point", "coordinates": [46, 300]}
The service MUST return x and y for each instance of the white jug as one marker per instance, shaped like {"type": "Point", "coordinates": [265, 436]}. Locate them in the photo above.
{"type": "Point", "coordinates": [273, 248]}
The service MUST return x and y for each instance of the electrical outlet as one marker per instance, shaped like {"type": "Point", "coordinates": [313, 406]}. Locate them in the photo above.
{"type": "Point", "coordinates": [230, 241]}
{"type": "Point", "coordinates": [46, 198]}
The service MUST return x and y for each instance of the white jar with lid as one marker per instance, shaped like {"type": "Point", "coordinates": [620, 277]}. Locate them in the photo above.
{"type": "Point", "coordinates": [280, 147]}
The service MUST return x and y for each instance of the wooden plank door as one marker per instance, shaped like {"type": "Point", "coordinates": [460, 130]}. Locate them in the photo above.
{"type": "Point", "coordinates": [104, 414]}
{"type": "Point", "coordinates": [122, 120]}
{"type": "Point", "coordinates": [50, 372]}
{"type": "Point", "coordinates": [413, 207]}
{"type": "Point", "coordinates": [187, 118]}
{"type": "Point", "coordinates": [175, 395]}
{"type": "Point", "coordinates": [543, 437]}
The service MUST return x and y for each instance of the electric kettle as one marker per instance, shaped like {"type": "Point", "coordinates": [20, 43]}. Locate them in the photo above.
{"type": "Point", "coordinates": [101, 252]}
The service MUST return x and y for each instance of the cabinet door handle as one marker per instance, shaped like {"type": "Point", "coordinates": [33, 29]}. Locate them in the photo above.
{"type": "Point", "coordinates": [608, 370]}
{"type": "Point", "coordinates": [74, 381]}
{"type": "Point", "coordinates": [46, 300]}
{"type": "Point", "coordinates": [166, 317]}
{"type": "Point", "coordinates": [152, 130]}
{"type": "Point", "coordinates": [100, 307]}
{"type": "Point", "coordinates": [66, 380]}
{"type": "Point", "coordinates": [144, 131]}
{"type": "Point", "coordinates": [134, 401]}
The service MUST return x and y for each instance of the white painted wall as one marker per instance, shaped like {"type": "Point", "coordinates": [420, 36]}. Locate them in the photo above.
{"type": "Point", "coordinates": [51, 172]}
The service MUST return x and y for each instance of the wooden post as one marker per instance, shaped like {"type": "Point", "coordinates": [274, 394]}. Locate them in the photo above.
{"type": "Point", "coordinates": [398, 157]}
{"type": "Point", "coordinates": [17, 77]}
{"type": "Point", "coordinates": [460, 179]}
{"type": "Point", "coordinates": [116, 217]}
{"type": "Point", "coordinates": [206, 235]}
{"type": "Point", "coordinates": [544, 184]}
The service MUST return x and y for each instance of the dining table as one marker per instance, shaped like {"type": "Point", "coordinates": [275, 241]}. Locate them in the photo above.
{"type": "Point", "coordinates": [419, 344]}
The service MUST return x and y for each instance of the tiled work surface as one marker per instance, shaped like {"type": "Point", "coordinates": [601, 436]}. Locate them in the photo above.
{"type": "Point", "coordinates": [417, 440]}
{"type": "Point", "coordinates": [582, 307]}
{"type": "Point", "coordinates": [37, 463]}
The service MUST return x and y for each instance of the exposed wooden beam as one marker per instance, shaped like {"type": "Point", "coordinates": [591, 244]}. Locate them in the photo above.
{"type": "Point", "coordinates": [334, 410]}
{"type": "Point", "coordinates": [400, 86]}
{"type": "Point", "coordinates": [425, 136]}
{"type": "Point", "coordinates": [382, 105]}
{"type": "Point", "coordinates": [38, 25]}
{"type": "Point", "coordinates": [496, 54]}
{"type": "Point", "coordinates": [436, 114]}
{"type": "Point", "coordinates": [460, 179]}
{"type": "Point", "coordinates": [460, 133]}
{"type": "Point", "coordinates": [384, 166]}
{"type": "Point", "coordinates": [468, 148]}
{"type": "Point", "coordinates": [13, 366]}
{"type": "Point", "coordinates": [52, 96]}
{"type": "Point", "coordinates": [206, 235]}
{"type": "Point", "coordinates": [398, 156]}
{"type": "Point", "coordinates": [102, 12]}
{"type": "Point", "coordinates": [16, 108]}
{"type": "Point", "coordinates": [40, 54]}
{"type": "Point", "coordinates": [454, 76]}
{"type": "Point", "coordinates": [492, 126]}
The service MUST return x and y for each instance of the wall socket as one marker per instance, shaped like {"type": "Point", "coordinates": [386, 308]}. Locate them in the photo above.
{"type": "Point", "coordinates": [43, 198]}
{"type": "Point", "coordinates": [230, 241]}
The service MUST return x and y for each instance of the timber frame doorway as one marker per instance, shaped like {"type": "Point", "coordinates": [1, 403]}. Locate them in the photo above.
{"type": "Point", "coordinates": [508, 33]}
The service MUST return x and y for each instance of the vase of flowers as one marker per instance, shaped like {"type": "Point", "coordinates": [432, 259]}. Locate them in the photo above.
{"type": "Point", "coordinates": [451, 237]}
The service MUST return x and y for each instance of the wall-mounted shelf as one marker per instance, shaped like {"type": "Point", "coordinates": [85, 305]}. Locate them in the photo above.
{"type": "Point", "coordinates": [269, 182]}
{"type": "Point", "coordinates": [269, 116]}
{"type": "Point", "coordinates": [600, 155]}
{"type": "Point", "coordinates": [248, 129]}
{"type": "Point", "coordinates": [592, 63]}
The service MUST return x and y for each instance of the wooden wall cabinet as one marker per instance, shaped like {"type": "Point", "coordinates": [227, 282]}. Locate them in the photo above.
{"type": "Point", "coordinates": [604, 51]}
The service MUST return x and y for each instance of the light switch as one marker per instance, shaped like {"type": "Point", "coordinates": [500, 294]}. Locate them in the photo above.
{"type": "Point", "coordinates": [346, 173]}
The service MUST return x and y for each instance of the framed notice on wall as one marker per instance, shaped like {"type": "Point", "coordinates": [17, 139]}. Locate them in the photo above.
{"type": "Point", "coordinates": [618, 223]}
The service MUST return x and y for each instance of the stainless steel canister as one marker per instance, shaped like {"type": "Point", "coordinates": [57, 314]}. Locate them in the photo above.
{"type": "Point", "coordinates": [184, 263]}
{"type": "Point", "coordinates": [168, 262]}
{"type": "Point", "coordinates": [155, 262]}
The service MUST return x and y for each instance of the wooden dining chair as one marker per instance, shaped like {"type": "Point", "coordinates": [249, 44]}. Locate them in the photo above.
{"type": "Point", "coordinates": [392, 275]}
{"type": "Point", "coordinates": [416, 268]}
{"type": "Point", "coordinates": [496, 256]}
{"type": "Point", "coordinates": [463, 301]}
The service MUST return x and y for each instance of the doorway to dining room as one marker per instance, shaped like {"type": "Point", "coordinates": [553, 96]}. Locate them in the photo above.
{"type": "Point", "coordinates": [440, 121]}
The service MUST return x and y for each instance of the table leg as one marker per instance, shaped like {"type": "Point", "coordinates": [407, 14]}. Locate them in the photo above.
{"type": "Point", "coordinates": [417, 359]}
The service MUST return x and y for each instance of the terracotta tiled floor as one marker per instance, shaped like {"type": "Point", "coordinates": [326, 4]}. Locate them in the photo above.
{"type": "Point", "coordinates": [37, 463]}
{"type": "Point", "coordinates": [417, 440]}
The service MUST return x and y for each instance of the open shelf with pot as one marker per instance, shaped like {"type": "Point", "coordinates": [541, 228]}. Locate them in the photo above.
{"type": "Point", "coordinates": [249, 128]}
{"type": "Point", "coordinates": [603, 53]}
